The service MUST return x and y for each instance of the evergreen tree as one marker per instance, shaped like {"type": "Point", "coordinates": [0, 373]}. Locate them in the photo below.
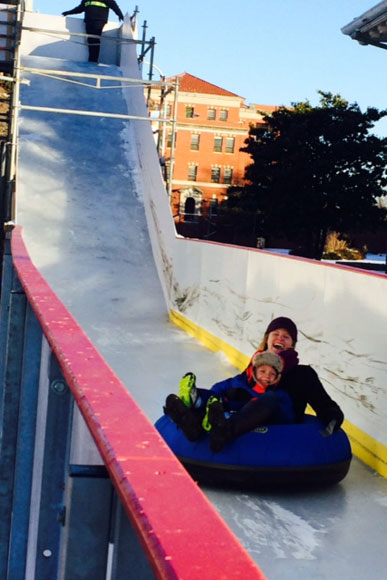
{"type": "Point", "coordinates": [314, 170]}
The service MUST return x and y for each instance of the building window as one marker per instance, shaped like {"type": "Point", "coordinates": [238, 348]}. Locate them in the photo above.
{"type": "Point", "coordinates": [189, 112]}
{"type": "Point", "coordinates": [211, 114]}
{"type": "Point", "coordinates": [227, 175]}
{"type": "Point", "coordinates": [169, 140]}
{"type": "Point", "coordinates": [168, 110]}
{"type": "Point", "coordinates": [195, 139]}
{"type": "Point", "coordinates": [218, 143]}
{"type": "Point", "coordinates": [230, 144]}
{"type": "Point", "coordinates": [223, 115]}
{"type": "Point", "coordinates": [167, 170]}
{"type": "Point", "coordinates": [215, 174]}
{"type": "Point", "coordinates": [192, 172]}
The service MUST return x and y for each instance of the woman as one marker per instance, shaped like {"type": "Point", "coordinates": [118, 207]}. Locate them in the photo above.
{"type": "Point", "coordinates": [231, 407]}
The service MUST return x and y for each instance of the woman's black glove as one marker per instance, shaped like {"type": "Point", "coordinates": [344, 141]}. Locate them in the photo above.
{"type": "Point", "coordinates": [64, 13]}
{"type": "Point", "coordinates": [334, 423]}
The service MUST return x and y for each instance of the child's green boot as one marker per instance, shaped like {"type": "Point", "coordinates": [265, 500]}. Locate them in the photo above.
{"type": "Point", "coordinates": [187, 390]}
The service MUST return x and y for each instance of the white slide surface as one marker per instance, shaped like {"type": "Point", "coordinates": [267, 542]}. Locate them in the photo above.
{"type": "Point", "coordinates": [79, 201]}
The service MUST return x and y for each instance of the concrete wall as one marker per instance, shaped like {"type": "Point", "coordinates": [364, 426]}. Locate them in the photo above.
{"type": "Point", "coordinates": [226, 296]}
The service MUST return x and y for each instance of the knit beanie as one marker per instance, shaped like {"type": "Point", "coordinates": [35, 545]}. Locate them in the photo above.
{"type": "Point", "coordinates": [283, 322]}
{"type": "Point", "coordinates": [268, 358]}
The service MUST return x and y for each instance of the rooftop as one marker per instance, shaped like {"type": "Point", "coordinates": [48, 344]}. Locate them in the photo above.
{"type": "Point", "coordinates": [370, 27]}
{"type": "Point", "coordinates": [191, 84]}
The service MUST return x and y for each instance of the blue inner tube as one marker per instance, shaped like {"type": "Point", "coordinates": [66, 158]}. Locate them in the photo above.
{"type": "Point", "coordinates": [297, 454]}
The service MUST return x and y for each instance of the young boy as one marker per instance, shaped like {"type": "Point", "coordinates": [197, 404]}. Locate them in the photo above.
{"type": "Point", "coordinates": [267, 369]}
{"type": "Point", "coordinates": [233, 406]}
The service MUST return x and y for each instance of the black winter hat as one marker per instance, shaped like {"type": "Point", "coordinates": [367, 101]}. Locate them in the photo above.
{"type": "Point", "coordinates": [283, 322]}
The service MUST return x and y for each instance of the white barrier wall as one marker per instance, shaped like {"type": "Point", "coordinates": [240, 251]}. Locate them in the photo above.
{"type": "Point", "coordinates": [159, 215]}
{"type": "Point", "coordinates": [227, 295]}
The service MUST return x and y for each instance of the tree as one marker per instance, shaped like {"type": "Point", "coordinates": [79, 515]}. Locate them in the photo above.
{"type": "Point", "coordinates": [314, 170]}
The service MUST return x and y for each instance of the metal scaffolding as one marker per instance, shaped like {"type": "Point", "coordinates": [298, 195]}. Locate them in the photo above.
{"type": "Point", "coordinates": [17, 75]}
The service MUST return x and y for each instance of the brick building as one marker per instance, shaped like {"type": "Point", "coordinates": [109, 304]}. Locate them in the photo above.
{"type": "Point", "coordinates": [211, 127]}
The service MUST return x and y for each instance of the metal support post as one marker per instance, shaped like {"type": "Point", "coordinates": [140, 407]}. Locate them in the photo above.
{"type": "Point", "coordinates": [13, 131]}
{"type": "Point", "coordinates": [25, 447]}
{"type": "Point", "coordinates": [133, 18]}
{"type": "Point", "coordinates": [143, 41]}
{"type": "Point", "coordinates": [128, 553]}
{"type": "Point", "coordinates": [4, 145]}
{"type": "Point", "coordinates": [54, 474]}
{"type": "Point", "coordinates": [173, 144]}
{"type": "Point", "coordinates": [150, 74]}
{"type": "Point", "coordinates": [6, 287]}
{"type": "Point", "coordinates": [152, 57]}
{"type": "Point", "coordinates": [10, 414]}
{"type": "Point", "coordinates": [88, 514]}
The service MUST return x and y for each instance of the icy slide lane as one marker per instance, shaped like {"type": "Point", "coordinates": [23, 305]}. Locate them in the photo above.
{"type": "Point", "coordinates": [80, 204]}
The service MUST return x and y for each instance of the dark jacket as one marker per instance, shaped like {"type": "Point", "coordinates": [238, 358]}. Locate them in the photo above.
{"type": "Point", "coordinates": [234, 391]}
{"type": "Point", "coordinates": [304, 387]}
{"type": "Point", "coordinates": [95, 12]}
{"type": "Point", "coordinates": [302, 384]}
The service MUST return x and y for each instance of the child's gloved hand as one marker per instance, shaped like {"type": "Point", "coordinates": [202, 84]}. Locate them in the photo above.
{"type": "Point", "coordinates": [238, 394]}
{"type": "Point", "coordinates": [290, 359]}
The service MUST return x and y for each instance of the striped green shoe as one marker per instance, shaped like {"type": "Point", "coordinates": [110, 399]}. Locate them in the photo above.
{"type": "Point", "coordinates": [206, 424]}
{"type": "Point", "coordinates": [187, 390]}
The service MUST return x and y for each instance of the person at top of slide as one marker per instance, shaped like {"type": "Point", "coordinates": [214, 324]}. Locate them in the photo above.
{"type": "Point", "coordinates": [96, 16]}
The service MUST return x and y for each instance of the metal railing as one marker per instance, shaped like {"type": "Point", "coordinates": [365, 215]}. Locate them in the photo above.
{"type": "Point", "coordinates": [135, 508]}
{"type": "Point", "coordinates": [13, 13]}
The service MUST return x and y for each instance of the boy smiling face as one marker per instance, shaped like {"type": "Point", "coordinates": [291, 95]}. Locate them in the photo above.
{"type": "Point", "coordinates": [265, 375]}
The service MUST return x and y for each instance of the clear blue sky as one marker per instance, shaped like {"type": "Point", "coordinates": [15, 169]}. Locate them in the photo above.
{"type": "Point", "coordinates": [271, 52]}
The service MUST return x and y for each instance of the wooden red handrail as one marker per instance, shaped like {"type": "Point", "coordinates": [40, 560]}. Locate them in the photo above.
{"type": "Point", "coordinates": [180, 531]}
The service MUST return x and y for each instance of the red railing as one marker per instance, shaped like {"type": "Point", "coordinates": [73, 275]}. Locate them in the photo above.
{"type": "Point", "coordinates": [181, 533]}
